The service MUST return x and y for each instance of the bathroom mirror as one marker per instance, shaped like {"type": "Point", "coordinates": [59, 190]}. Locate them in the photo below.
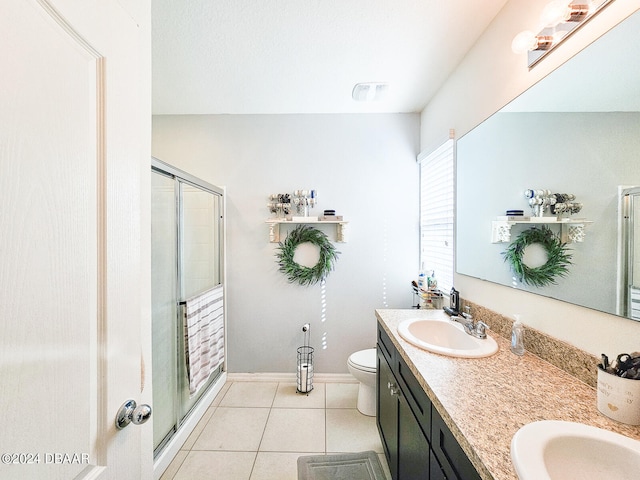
{"type": "Point", "coordinates": [576, 131]}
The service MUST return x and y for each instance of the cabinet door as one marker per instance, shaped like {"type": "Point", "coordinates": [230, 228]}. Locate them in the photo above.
{"type": "Point", "coordinates": [437, 473]}
{"type": "Point", "coordinates": [449, 453]}
{"type": "Point", "coordinates": [387, 415]}
{"type": "Point", "coordinates": [415, 396]}
{"type": "Point", "coordinates": [386, 347]}
{"type": "Point", "coordinates": [413, 448]}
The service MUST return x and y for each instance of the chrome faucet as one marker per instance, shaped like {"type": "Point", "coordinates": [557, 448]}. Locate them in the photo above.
{"type": "Point", "coordinates": [474, 328]}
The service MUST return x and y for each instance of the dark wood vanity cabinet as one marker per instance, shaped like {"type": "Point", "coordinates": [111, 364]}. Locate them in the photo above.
{"type": "Point", "coordinates": [417, 443]}
{"type": "Point", "coordinates": [387, 407]}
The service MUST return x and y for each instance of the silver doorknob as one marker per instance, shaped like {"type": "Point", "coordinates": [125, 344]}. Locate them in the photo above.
{"type": "Point", "coordinates": [130, 412]}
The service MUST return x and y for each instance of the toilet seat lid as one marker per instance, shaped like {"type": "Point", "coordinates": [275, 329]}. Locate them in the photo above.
{"type": "Point", "coordinates": [364, 359]}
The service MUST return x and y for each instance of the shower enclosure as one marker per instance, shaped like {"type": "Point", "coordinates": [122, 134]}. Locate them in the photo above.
{"type": "Point", "coordinates": [187, 238]}
{"type": "Point", "coordinates": [629, 253]}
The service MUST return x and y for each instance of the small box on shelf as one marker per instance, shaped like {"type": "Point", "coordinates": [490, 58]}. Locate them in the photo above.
{"type": "Point", "coordinates": [513, 218]}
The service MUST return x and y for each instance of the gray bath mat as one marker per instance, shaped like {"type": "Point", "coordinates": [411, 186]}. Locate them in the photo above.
{"type": "Point", "coordinates": [349, 466]}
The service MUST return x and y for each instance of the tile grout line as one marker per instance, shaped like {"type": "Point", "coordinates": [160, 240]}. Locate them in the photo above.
{"type": "Point", "coordinates": [325, 420]}
{"type": "Point", "coordinates": [264, 429]}
{"type": "Point", "coordinates": [190, 449]}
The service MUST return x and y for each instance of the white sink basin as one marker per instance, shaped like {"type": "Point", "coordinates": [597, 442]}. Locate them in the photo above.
{"type": "Point", "coordinates": [445, 337]}
{"type": "Point", "coordinates": [552, 449]}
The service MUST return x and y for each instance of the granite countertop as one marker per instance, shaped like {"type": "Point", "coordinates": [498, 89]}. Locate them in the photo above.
{"type": "Point", "coordinates": [484, 401]}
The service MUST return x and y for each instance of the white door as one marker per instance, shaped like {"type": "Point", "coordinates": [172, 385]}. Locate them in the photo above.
{"type": "Point", "coordinates": [71, 291]}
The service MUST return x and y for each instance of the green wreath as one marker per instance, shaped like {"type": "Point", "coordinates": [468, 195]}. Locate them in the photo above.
{"type": "Point", "coordinates": [299, 273]}
{"type": "Point", "coordinates": [558, 259]}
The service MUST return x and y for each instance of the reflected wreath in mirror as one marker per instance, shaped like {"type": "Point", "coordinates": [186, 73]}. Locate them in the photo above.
{"type": "Point", "coordinates": [300, 273]}
{"type": "Point", "coordinates": [558, 258]}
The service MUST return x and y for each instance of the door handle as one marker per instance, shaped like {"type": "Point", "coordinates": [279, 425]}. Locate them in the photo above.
{"type": "Point", "coordinates": [131, 412]}
{"type": "Point", "coordinates": [393, 388]}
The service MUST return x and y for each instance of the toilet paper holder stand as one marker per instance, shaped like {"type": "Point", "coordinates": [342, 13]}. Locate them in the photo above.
{"type": "Point", "coordinates": [304, 372]}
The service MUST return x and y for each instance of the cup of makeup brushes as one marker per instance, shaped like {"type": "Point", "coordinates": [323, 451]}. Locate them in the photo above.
{"type": "Point", "coordinates": [619, 398]}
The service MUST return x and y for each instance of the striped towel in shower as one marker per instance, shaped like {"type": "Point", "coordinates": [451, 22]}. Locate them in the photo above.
{"type": "Point", "coordinates": [204, 336]}
{"type": "Point", "coordinates": [634, 302]}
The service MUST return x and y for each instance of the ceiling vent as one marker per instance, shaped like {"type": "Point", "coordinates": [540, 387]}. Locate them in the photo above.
{"type": "Point", "coordinates": [369, 92]}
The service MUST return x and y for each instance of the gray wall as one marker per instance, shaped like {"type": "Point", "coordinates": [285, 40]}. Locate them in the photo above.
{"type": "Point", "coordinates": [364, 167]}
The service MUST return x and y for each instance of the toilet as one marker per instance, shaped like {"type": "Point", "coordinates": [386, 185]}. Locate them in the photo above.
{"type": "Point", "coordinates": [362, 365]}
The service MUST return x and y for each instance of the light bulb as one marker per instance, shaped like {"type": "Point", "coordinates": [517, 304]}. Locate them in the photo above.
{"type": "Point", "coordinates": [555, 12]}
{"type": "Point", "coordinates": [528, 41]}
{"type": "Point", "coordinates": [524, 42]}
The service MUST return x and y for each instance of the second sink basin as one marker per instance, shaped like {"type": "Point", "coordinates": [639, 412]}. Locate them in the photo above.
{"type": "Point", "coordinates": [558, 450]}
{"type": "Point", "coordinates": [445, 337]}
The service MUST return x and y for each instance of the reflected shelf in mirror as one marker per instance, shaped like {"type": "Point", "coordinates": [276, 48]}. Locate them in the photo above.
{"type": "Point", "coordinates": [572, 230]}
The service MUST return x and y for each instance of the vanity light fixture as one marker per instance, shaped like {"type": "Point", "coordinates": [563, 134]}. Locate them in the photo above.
{"type": "Point", "coordinates": [369, 91]}
{"type": "Point", "coordinates": [559, 18]}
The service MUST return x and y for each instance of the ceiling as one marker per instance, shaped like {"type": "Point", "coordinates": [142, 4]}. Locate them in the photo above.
{"type": "Point", "coordinates": [305, 56]}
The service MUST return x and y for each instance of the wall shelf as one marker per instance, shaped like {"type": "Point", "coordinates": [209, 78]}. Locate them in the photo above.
{"type": "Point", "coordinates": [274, 227]}
{"type": "Point", "coordinates": [571, 230]}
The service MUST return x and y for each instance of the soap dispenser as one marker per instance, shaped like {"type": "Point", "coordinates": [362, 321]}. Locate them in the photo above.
{"type": "Point", "coordinates": [517, 340]}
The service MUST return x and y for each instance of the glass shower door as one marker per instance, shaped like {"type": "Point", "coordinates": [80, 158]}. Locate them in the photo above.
{"type": "Point", "coordinates": [187, 259]}
{"type": "Point", "coordinates": [629, 254]}
{"type": "Point", "coordinates": [633, 248]}
{"type": "Point", "coordinates": [164, 302]}
{"type": "Point", "coordinates": [200, 241]}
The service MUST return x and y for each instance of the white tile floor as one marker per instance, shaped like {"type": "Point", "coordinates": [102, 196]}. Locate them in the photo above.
{"type": "Point", "coordinates": [257, 431]}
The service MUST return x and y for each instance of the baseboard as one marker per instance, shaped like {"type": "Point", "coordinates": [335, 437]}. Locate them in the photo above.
{"type": "Point", "coordinates": [290, 377]}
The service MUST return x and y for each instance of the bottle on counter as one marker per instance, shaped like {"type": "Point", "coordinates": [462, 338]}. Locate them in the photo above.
{"type": "Point", "coordinates": [422, 280]}
{"type": "Point", "coordinates": [517, 334]}
{"type": "Point", "coordinates": [432, 281]}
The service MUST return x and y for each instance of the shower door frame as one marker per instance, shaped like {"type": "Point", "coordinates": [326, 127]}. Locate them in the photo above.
{"type": "Point", "coordinates": [185, 422]}
{"type": "Point", "coordinates": [629, 198]}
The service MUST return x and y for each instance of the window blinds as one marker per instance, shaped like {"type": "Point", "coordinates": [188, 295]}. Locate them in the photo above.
{"type": "Point", "coordinates": [437, 214]}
